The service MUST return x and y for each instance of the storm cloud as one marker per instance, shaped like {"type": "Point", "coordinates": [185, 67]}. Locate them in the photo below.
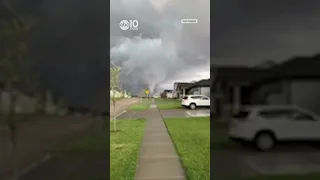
{"type": "Point", "coordinates": [162, 47]}
{"type": "Point", "coordinates": [248, 32]}
{"type": "Point", "coordinates": [70, 46]}
{"type": "Point", "coordinates": [70, 49]}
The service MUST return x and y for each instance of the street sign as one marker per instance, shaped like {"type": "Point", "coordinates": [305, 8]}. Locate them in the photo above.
{"type": "Point", "coordinates": [147, 91]}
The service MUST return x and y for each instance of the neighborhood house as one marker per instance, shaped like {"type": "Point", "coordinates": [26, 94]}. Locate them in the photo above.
{"type": "Point", "coordinates": [231, 87]}
{"type": "Point", "coordinates": [168, 93]}
{"type": "Point", "coordinates": [201, 87]}
{"type": "Point", "coordinates": [293, 82]}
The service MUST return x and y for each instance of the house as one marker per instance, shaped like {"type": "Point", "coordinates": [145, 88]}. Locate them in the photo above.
{"type": "Point", "coordinates": [27, 102]}
{"type": "Point", "coordinates": [180, 88]}
{"type": "Point", "coordinates": [201, 87]}
{"type": "Point", "coordinates": [24, 102]}
{"type": "Point", "coordinates": [168, 93]}
{"type": "Point", "coordinates": [120, 94]}
{"type": "Point", "coordinates": [231, 86]}
{"type": "Point", "coordinates": [296, 82]}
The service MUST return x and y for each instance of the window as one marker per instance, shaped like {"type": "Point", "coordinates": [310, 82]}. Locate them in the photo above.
{"type": "Point", "coordinates": [204, 98]}
{"type": "Point", "coordinates": [292, 114]}
{"type": "Point", "coordinates": [241, 114]}
{"type": "Point", "coordinates": [195, 89]}
{"type": "Point", "coordinates": [300, 116]}
{"type": "Point", "coordinates": [196, 97]}
{"type": "Point", "coordinates": [276, 113]}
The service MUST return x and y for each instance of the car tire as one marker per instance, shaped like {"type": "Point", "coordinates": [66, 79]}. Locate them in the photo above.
{"type": "Point", "coordinates": [264, 141]}
{"type": "Point", "coordinates": [193, 106]}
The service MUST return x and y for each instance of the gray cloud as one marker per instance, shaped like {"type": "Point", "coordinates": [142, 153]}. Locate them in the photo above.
{"type": "Point", "coordinates": [246, 32]}
{"type": "Point", "coordinates": [162, 46]}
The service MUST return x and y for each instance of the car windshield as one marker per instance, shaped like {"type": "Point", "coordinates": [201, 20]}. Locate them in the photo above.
{"type": "Point", "coordinates": [241, 114]}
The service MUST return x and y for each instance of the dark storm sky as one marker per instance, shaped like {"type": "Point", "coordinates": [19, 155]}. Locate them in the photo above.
{"type": "Point", "coordinates": [70, 46]}
{"type": "Point", "coordinates": [251, 31]}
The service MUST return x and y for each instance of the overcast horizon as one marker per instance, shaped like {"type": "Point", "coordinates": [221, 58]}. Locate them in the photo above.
{"type": "Point", "coordinates": [249, 32]}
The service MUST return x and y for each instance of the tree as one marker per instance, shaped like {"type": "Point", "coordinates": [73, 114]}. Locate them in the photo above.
{"type": "Point", "coordinates": [114, 87]}
{"type": "Point", "coordinates": [13, 43]}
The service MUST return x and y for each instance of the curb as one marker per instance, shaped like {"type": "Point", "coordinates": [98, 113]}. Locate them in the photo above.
{"type": "Point", "coordinates": [35, 164]}
{"type": "Point", "coordinates": [31, 167]}
{"type": "Point", "coordinates": [118, 115]}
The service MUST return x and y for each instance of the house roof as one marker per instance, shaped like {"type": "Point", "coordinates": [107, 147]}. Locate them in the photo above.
{"type": "Point", "coordinates": [297, 67]}
{"type": "Point", "coordinates": [203, 82]}
{"type": "Point", "coordinates": [238, 74]}
{"type": "Point", "coordinates": [168, 90]}
{"type": "Point", "coordinates": [184, 85]}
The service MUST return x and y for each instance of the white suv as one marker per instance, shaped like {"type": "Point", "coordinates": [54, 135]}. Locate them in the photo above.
{"type": "Point", "coordinates": [194, 101]}
{"type": "Point", "coordinates": [264, 125]}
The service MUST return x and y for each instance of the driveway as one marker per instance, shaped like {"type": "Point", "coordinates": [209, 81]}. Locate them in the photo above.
{"type": "Point", "coordinates": [172, 113]}
{"type": "Point", "coordinates": [285, 159]}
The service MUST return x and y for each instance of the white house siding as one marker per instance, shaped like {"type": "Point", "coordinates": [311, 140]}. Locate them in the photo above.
{"type": "Point", "coordinates": [205, 91]}
{"type": "Point", "coordinates": [24, 103]}
{"type": "Point", "coordinates": [303, 93]}
{"type": "Point", "coordinates": [175, 94]}
{"type": "Point", "coordinates": [169, 95]}
{"type": "Point", "coordinates": [200, 91]}
{"type": "Point", "coordinates": [306, 93]}
{"type": "Point", "coordinates": [194, 91]}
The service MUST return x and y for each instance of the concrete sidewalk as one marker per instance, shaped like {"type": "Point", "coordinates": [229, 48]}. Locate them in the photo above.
{"type": "Point", "coordinates": [158, 159]}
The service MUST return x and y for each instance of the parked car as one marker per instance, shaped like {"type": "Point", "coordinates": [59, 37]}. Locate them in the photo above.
{"type": "Point", "coordinates": [194, 101]}
{"type": "Point", "coordinates": [263, 126]}
{"type": "Point", "coordinates": [156, 96]}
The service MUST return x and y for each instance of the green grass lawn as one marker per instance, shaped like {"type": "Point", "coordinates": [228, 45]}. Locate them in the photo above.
{"type": "Point", "coordinates": [141, 106]}
{"type": "Point", "coordinates": [163, 103]}
{"type": "Point", "coordinates": [93, 143]}
{"type": "Point", "coordinates": [191, 137]}
{"type": "Point", "coordinates": [124, 149]}
{"type": "Point", "coordinates": [219, 136]}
